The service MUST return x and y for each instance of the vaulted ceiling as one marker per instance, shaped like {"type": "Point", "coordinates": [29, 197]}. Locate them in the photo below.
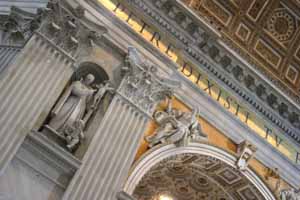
{"type": "Point", "coordinates": [193, 177]}
{"type": "Point", "coordinates": [264, 32]}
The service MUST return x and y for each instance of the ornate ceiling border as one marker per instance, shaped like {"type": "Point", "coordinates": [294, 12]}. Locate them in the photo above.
{"type": "Point", "coordinates": [155, 155]}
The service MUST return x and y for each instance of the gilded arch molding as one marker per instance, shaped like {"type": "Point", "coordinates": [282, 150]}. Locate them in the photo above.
{"type": "Point", "coordinates": [161, 153]}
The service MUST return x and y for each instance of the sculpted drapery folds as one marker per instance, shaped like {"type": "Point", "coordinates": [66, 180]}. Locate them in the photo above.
{"type": "Point", "coordinates": [74, 109]}
{"type": "Point", "coordinates": [175, 127]}
{"type": "Point", "coordinates": [73, 35]}
{"type": "Point", "coordinates": [143, 87]}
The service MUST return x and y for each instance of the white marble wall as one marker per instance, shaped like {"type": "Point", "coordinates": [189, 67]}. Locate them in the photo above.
{"type": "Point", "coordinates": [21, 182]}
{"type": "Point", "coordinates": [28, 89]}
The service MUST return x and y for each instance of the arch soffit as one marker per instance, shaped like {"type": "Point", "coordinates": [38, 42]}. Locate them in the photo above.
{"type": "Point", "coordinates": [100, 63]}
{"type": "Point", "coordinates": [161, 152]}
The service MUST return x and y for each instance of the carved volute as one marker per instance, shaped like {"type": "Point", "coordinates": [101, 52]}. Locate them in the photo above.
{"type": "Point", "coordinates": [141, 85]}
{"type": "Point", "coordinates": [18, 27]}
{"type": "Point", "coordinates": [67, 28]}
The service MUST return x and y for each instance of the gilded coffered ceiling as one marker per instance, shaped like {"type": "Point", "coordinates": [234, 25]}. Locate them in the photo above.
{"type": "Point", "coordinates": [193, 177]}
{"type": "Point", "coordinates": [264, 32]}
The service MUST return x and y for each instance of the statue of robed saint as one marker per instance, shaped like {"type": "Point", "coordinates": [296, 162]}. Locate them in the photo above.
{"type": "Point", "coordinates": [75, 107]}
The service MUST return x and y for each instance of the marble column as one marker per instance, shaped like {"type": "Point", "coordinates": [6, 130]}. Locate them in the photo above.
{"type": "Point", "coordinates": [7, 55]}
{"type": "Point", "coordinates": [28, 89]}
{"type": "Point", "coordinates": [110, 153]}
{"type": "Point", "coordinates": [106, 163]}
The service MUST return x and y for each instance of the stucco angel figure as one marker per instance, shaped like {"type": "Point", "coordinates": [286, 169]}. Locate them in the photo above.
{"type": "Point", "coordinates": [73, 110]}
{"type": "Point", "coordinates": [175, 127]}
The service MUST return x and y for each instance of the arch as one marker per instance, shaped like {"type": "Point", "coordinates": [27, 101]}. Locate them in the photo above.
{"type": "Point", "coordinates": [159, 153]}
{"type": "Point", "coordinates": [93, 68]}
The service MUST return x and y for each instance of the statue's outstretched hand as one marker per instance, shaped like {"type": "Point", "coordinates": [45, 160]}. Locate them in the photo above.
{"type": "Point", "coordinates": [81, 124]}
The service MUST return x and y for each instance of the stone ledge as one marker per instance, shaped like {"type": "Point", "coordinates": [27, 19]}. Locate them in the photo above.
{"type": "Point", "coordinates": [48, 159]}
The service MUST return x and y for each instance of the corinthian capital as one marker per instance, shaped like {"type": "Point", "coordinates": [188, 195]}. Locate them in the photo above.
{"type": "Point", "coordinates": [142, 85]}
{"type": "Point", "coordinates": [67, 28]}
{"type": "Point", "coordinates": [18, 26]}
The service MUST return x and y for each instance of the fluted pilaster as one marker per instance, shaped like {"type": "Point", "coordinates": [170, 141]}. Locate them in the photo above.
{"type": "Point", "coordinates": [31, 85]}
{"type": "Point", "coordinates": [107, 161]}
{"type": "Point", "coordinates": [7, 54]}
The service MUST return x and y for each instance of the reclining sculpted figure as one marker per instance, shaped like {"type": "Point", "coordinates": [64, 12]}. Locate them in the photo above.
{"type": "Point", "coordinates": [175, 127]}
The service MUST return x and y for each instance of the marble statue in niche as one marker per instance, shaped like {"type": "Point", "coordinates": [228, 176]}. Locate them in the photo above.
{"type": "Point", "coordinates": [175, 127]}
{"type": "Point", "coordinates": [70, 115]}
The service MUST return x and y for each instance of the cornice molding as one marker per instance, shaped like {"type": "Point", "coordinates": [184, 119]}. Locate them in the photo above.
{"type": "Point", "coordinates": [226, 69]}
{"type": "Point", "coordinates": [53, 161]}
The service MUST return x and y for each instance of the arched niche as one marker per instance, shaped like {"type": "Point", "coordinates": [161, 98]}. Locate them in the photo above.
{"type": "Point", "coordinates": [91, 68]}
{"type": "Point", "coordinates": [95, 115]}
{"type": "Point", "coordinates": [198, 170]}
{"type": "Point", "coordinates": [100, 75]}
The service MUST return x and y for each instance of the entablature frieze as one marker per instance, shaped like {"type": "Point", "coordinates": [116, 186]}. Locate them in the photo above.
{"type": "Point", "coordinates": [228, 72]}
{"type": "Point", "coordinates": [276, 109]}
